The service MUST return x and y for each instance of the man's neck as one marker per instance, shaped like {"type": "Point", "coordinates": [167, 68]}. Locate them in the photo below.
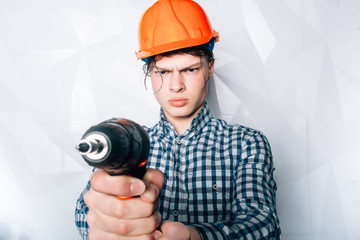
{"type": "Point", "coordinates": [181, 124]}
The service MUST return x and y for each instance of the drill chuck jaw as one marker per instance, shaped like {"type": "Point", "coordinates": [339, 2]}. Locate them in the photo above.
{"type": "Point", "coordinates": [94, 147]}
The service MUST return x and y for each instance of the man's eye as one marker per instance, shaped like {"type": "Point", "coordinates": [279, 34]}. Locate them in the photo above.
{"type": "Point", "coordinates": [161, 72]}
{"type": "Point", "coordinates": [192, 69]}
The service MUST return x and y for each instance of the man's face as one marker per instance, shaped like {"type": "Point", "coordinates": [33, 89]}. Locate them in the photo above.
{"type": "Point", "coordinates": [180, 85]}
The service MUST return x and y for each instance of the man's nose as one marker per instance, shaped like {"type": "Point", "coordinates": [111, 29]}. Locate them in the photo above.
{"type": "Point", "coordinates": [177, 82]}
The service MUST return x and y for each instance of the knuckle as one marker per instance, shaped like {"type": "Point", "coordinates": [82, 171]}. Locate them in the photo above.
{"type": "Point", "coordinates": [122, 228]}
{"type": "Point", "coordinates": [145, 210]}
{"type": "Point", "coordinates": [87, 198]}
{"type": "Point", "coordinates": [153, 225]}
{"type": "Point", "coordinates": [148, 209]}
{"type": "Point", "coordinates": [94, 182]}
{"type": "Point", "coordinates": [157, 219]}
{"type": "Point", "coordinates": [90, 218]}
{"type": "Point", "coordinates": [117, 209]}
{"type": "Point", "coordinates": [153, 222]}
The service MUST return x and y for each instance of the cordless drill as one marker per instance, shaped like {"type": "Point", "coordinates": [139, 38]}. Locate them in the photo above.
{"type": "Point", "coordinates": [118, 146]}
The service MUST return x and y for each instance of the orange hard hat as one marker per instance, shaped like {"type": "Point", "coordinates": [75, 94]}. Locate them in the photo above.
{"type": "Point", "coordinates": [173, 24]}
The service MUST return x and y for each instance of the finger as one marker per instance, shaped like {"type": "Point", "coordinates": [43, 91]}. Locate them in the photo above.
{"type": "Point", "coordinates": [116, 185]}
{"type": "Point", "coordinates": [96, 234]}
{"type": "Point", "coordinates": [126, 209]}
{"type": "Point", "coordinates": [123, 227]}
{"type": "Point", "coordinates": [174, 231]}
{"type": "Point", "coordinates": [156, 235]}
{"type": "Point", "coordinates": [154, 181]}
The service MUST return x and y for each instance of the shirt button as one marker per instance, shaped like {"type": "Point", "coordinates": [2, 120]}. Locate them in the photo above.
{"type": "Point", "coordinates": [178, 141]}
{"type": "Point", "coordinates": [175, 213]}
{"type": "Point", "coordinates": [215, 186]}
{"type": "Point", "coordinates": [177, 174]}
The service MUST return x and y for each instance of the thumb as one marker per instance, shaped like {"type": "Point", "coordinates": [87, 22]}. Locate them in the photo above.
{"type": "Point", "coordinates": [154, 181]}
{"type": "Point", "coordinates": [174, 231]}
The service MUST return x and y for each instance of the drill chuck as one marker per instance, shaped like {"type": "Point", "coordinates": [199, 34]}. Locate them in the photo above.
{"type": "Point", "coordinates": [118, 146]}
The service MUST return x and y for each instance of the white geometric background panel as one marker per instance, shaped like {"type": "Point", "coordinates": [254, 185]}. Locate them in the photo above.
{"type": "Point", "coordinates": [290, 68]}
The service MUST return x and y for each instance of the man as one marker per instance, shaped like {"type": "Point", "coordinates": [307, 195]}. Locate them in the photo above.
{"type": "Point", "coordinates": [206, 179]}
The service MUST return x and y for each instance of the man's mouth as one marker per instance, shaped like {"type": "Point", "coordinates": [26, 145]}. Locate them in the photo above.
{"type": "Point", "coordinates": [178, 102]}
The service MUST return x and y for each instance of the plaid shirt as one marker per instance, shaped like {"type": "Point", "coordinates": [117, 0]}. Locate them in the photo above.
{"type": "Point", "coordinates": [218, 179]}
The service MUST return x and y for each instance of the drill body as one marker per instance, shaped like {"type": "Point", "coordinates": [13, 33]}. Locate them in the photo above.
{"type": "Point", "coordinates": [118, 146]}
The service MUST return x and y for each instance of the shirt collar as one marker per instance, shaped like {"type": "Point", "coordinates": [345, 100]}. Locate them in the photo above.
{"type": "Point", "coordinates": [201, 119]}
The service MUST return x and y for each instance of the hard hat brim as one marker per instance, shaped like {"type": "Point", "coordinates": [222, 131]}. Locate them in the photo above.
{"type": "Point", "coordinates": [176, 45]}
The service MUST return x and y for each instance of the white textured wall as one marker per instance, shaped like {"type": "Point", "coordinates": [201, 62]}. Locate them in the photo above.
{"type": "Point", "coordinates": [287, 67]}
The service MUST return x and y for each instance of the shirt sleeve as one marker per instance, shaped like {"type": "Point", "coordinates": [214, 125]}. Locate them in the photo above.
{"type": "Point", "coordinates": [80, 214]}
{"type": "Point", "coordinates": [254, 213]}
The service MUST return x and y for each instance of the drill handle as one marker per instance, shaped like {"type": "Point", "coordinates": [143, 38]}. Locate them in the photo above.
{"type": "Point", "coordinates": [139, 172]}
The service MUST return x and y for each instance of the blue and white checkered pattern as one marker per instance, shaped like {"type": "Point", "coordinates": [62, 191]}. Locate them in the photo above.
{"type": "Point", "coordinates": [218, 179]}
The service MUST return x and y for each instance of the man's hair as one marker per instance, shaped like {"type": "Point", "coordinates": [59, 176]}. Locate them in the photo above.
{"type": "Point", "coordinates": [194, 51]}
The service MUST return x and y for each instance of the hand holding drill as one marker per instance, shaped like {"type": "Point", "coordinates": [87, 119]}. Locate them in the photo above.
{"type": "Point", "coordinates": [119, 148]}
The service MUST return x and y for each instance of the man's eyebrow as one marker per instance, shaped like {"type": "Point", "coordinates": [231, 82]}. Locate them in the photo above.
{"type": "Point", "coordinates": [159, 68]}
{"type": "Point", "coordinates": [166, 69]}
{"type": "Point", "coordinates": [194, 65]}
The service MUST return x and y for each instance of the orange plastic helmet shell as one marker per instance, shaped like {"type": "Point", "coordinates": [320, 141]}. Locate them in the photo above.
{"type": "Point", "coordinates": [173, 24]}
